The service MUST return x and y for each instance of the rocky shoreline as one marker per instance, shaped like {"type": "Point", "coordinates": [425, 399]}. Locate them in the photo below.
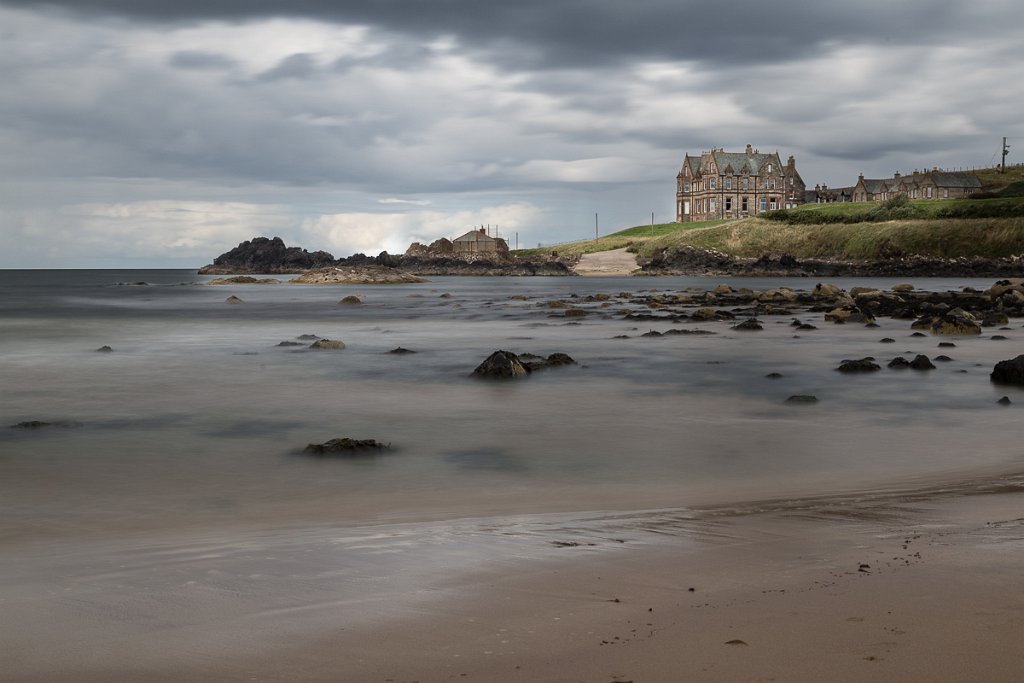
{"type": "Point", "coordinates": [707, 262]}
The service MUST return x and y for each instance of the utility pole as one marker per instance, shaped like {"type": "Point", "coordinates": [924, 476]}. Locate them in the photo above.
{"type": "Point", "coordinates": [595, 226]}
{"type": "Point", "coordinates": [1006, 150]}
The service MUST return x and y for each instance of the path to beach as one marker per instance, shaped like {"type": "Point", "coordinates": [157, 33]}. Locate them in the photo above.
{"type": "Point", "coordinates": [614, 262]}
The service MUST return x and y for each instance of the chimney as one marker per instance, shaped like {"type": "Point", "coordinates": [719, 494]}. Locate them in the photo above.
{"type": "Point", "coordinates": [750, 150]}
{"type": "Point", "coordinates": [791, 161]}
{"type": "Point", "coordinates": [483, 231]}
{"type": "Point", "coordinates": [896, 175]}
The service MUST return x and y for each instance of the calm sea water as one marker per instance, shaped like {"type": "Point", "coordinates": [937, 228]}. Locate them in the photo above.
{"type": "Point", "coordinates": [179, 522]}
{"type": "Point", "coordinates": [197, 417]}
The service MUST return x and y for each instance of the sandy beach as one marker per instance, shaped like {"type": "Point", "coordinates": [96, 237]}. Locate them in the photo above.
{"type": "Point", "coordinates": [906, 586]}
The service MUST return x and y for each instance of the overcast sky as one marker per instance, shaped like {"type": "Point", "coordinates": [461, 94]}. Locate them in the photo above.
{"type": "Point", "coordinates": [149, 133]}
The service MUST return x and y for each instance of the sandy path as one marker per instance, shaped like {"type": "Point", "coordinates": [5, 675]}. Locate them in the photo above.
{"type": "Point", "coordinates": [614, 262]}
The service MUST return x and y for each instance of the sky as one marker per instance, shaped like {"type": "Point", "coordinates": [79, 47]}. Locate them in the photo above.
{"type": "Point", "coordinates": [146, 133]}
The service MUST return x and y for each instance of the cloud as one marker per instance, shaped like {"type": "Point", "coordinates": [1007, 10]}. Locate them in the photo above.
{"type": "Point", "coordinates": [199, 59]}
{"type": "Point", "coordinates": [395, 200]}
{"type": "Point", "coordinates": [370, 233]}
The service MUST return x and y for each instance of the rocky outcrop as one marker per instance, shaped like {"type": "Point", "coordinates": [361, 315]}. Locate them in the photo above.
{"type": "Point", "coordinates": [859, 365]}
{"type": "Point", "coordinates": [263, 255]}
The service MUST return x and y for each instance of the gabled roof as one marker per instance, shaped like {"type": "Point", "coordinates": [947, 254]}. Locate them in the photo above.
{"type": "Point", "coordinates": [955, 179]}
{"type": "Point", "coordinates": [475, 236]}
{"type": "Point", "coordinates": [874, 185]}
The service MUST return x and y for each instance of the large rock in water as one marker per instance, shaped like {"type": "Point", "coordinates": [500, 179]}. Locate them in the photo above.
{"type": "Point", "coordinates": [263, 255]}
{"type": "Point", "coordinates": [1009, 371]}
{"type": "Point", "coordinates": [501, 365]}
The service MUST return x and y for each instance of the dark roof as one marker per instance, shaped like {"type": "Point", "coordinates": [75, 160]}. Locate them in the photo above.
{"type": "Point", "coordinates": [955, 179]}
{"type": "Point", "coordinates": [475, 236]}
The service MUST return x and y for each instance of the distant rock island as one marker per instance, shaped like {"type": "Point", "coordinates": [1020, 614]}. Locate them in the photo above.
{"type": "Point", "coordinates": [442, 257]}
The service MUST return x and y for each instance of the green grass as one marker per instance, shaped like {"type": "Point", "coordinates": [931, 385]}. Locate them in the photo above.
{"type": "Point", "coordinates": [628, 238]}
{"type": "Point", "coordinates": [943, 238]}
{"type": "Point", "coordinates": [900, 208]}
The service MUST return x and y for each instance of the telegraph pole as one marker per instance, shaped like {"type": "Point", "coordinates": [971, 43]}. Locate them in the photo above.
{"type": "Point", "coordinates": [595, 226]}
{"type": "Point", "coordinates": [1006, 150]}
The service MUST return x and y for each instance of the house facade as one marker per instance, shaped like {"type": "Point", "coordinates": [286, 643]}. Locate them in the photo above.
{"type": "Point", "coordinates": [934, 184]}
{"type": "Point", "coordinates": [479, 242]}
{"type": "Point", "coordinates": [720, 184]}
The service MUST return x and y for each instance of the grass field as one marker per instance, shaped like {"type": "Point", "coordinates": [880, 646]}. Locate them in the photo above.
{"type": "Point", "coordinates": [630, 237]}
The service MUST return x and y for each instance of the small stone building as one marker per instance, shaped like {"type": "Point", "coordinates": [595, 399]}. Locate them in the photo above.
{"type": "Point", "coordinates": [720, 184]}
{"type": "Point", "coordinates": [479, 242]}
{"type": "Point", "coordinates": [934, 184]}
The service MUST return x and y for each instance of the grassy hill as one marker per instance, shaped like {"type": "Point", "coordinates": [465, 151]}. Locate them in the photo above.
{"type": "Point", "coordinates": [946, 228]}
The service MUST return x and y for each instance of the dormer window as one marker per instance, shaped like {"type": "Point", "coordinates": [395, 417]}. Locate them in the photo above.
{"type": "Point", "coordinates": [712, 183]}
{"type": "Point", "coordinates": [769, 168]}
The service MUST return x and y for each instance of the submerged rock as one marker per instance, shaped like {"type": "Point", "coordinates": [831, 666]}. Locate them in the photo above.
{"type": "Point", "coordinates": [104, 349]}
{"type": "Point", "coordinates": [327, 344]}
{"type": "Point", "coordinates": [921, 362]}
{"type": "Point", "coordinates": [40, 424]}
{"type": "Point", "coordinates": [748, 325]}
{"type": "Point", "coordinates": [802, 398]}
{"type": "Point", "coordinates": [232, 300]}
{"type": "Point", "coordinates": [351, 300]}
{"type": "Point", "coordinates": [399, 350]}
{"type": "Point", "coordinates": [346, 446]}
{"type": "Point", "coordinates": [859, 365]}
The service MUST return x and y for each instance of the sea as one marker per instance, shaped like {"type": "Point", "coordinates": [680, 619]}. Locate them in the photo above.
{"type": "Point", "coordinates": [178, 456]}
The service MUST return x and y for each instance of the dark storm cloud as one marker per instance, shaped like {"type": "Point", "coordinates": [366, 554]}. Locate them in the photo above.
{"type": "Point", "coordinates": [547, 33]}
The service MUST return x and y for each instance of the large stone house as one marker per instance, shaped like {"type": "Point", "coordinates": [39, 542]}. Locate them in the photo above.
{"type": "Point", "coordinates": [934, 184]}
{"type": "Point", "coordinates": [720, 184]}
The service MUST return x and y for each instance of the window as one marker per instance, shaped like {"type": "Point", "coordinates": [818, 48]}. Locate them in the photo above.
{"type": "Point", "coordinates": [728, 183]}
{"type": "Point", "coordinates": [728, 203]}
{"type": "Point", "coordinates": [764, 204]}
{"type": "Point", "coordinates": [769, 168]}
{"type": "Point", "coordinates": [791, 181]}
{"type": "Point", "coordinates": [743, 184]}
{"type": "Point", "coordinates": [686, 186]}
{"type": "Point", "coordinates": [945, 193]}
{"type": "Point", "coordinates": [712, 206]}
{"type": "Point", "coordinates": [743, 204]}
{"type": "Point", "coordinates": [774, 204]}
{"type": "Point", "coordinates": [928, 192]}
{"type": "Point", "coordinates": [711, 183]}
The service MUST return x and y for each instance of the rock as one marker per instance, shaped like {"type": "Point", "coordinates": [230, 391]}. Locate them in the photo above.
{"type": "Point", "coordinates": [307, 337]}
{"type": "Point", "coordinates": [345, 446]}
{"type": "Point", "coordinates": [919, 334]}
{"type": "Point", "coordinates": [806, 326]}
{"type": "Point", "coordinates": [993, 318]}
{"type": "Point", "coordinates": [1003, 286]}
{"type": "Point", "coordinates": [244, 280]}
{"type": "Point", "coordinates": [1009, 371]}
{"type": "Point", "coordinates": [946, 345]}
{"type": "Point", "coordinates": [998, 337]}
{"type": "Point", "coordinates": [1004, 401]}
{"type": "Point", "coordinates": [921, 362]}
{"type": "Point", "coordinates": [860, 365]}
{"type": "Point", "coordinates": [290, 343]}
{"type": "Point", "coordinates": [233, 300]}
{"type": "Point", "coordinates": [327, 344]}
{"type": "Point", "coordinates": [651, 333]}
{"type": "Point", "coordinates": [866, 292]}
{"type": "Point", "coordinates": [773, 375]}
{"type": "Point", "coordinates": [903, 287]}
{"type": "Point", "coordinates": [824, 291]}
{"type": "Point", "coordinates": [351, 300]}
{"type": "Point", "coordinates": [850, 313]}
{"type": "Point", "coordinates": [39, 424]}
{"type": "Point", "coordinates": [537, 363]}
{"type": "Point", "coordinates": [446, 295]}
{"type": "Point", "coordinates": [802, 398]}
{"type": "Point", "coordinates": [355, 275]}
{"type": "Point", "coordinates": [501, 365]}
{"type": "Point", "coordinates": [575, 312]}
{"type": "Point", "coordinates": [104, 349]}
{"type": "Point", "coordinates": [399, 350]}
{"type": "Point", "coordinates": [723, 290]}
{"type": "Point", "coordinates": [942, 359]}
{"type": "Point", "coordinates": [955, 321]}
{"type": "Point", "coordinates": [887, 340]}
{"type": "Point", "coordinates": [263, 255]}
{"type": "Point", "coordinates": [899, 363]}
{"type": "Point", "coordinates": [748, 325]}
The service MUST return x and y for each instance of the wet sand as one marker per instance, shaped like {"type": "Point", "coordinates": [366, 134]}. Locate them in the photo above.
{"type": "Point", "coordinates": [886, 587]}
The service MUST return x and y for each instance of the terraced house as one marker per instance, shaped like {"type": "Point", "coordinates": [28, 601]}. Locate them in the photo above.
{"type": "Point", "coordinates": [720, 184]}
{"type": "Point", "coordinates": [934, 184]}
